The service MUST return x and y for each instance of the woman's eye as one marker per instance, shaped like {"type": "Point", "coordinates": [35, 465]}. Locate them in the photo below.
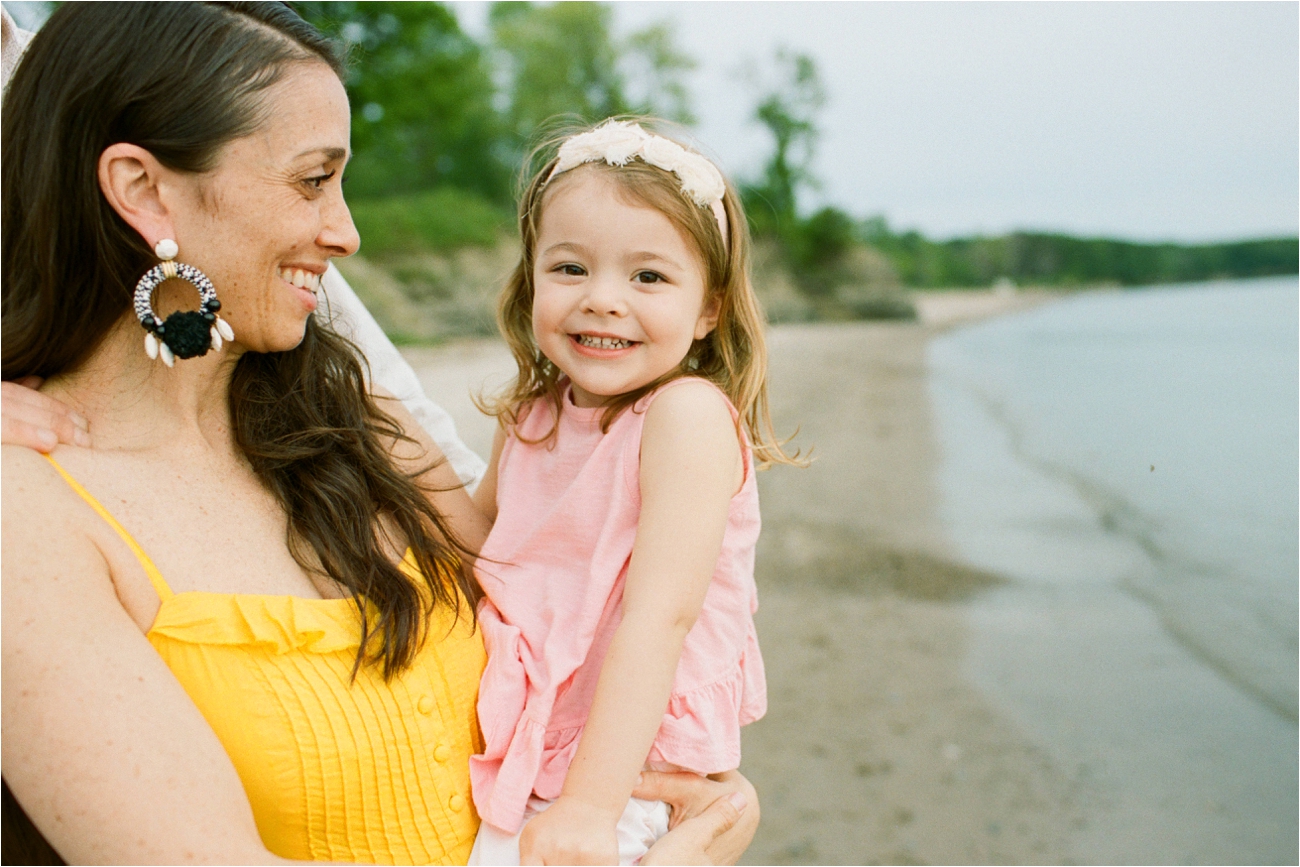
{"type": "Point", "coordinates": [319, 181]}
{"type": "Point", "coordinates": [648, 277]}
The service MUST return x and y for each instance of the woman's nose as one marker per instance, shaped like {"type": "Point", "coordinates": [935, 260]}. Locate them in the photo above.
{"type": "Point", "coordinates": [338, 232]}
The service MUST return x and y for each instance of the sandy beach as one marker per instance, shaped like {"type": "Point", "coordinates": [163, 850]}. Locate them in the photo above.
{"type": "Point", "coordinates": [876, 748]}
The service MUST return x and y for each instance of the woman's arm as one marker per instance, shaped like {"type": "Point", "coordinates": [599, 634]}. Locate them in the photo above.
{"type": "Point", "coordinates": [392, 374]}
{"type": "Point", "coordinates": [485, 497]}
{"type": "Point", "coordinates": [690, 469]}
{"type": "Point", "coordinates": [436, 475]}
{"type": "Point", "coordinates": [102, 747]}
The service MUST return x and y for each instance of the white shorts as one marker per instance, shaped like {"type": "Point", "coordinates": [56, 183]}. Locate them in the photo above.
{"type": "Point", "coordinates": [642, 823]}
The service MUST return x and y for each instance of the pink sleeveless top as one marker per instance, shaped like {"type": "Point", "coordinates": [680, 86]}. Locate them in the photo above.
{"type": "Point", "coordinates": [553, 570]}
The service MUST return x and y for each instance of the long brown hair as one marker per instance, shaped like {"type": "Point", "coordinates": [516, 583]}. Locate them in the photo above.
{"type": "Point", "coordinates": [181, 80]}
{"type": "Point", "coordinates": [733, 356]}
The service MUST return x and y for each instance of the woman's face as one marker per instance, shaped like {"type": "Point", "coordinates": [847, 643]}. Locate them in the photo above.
{"type": "Point", "coordinates": [265, 222]}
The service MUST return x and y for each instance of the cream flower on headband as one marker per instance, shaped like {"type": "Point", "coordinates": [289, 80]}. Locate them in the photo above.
{"type": "Point", "coordinates": [618, 142]}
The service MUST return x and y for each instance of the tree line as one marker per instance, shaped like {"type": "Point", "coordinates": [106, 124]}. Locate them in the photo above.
{"type": "Point", "coordinates": [442, 121]}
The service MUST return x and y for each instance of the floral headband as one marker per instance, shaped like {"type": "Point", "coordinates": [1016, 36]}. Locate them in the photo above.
{"type": "Point", "coordinates": [617, 143]}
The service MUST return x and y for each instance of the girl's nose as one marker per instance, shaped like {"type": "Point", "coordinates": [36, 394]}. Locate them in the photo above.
{"type": "Point", "coordinates": [604, 298]}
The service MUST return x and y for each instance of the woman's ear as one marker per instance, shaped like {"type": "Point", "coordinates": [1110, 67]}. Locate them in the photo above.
{"type": "Point", "coordinates": [708, 318]}
{"type": "Point", "coordinates": [132, 180]}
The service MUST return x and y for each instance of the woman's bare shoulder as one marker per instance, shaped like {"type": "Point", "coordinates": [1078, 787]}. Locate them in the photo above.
{"type": "Point", "coordinates": [33, 495]}
{"type": "Point", "coordinates": [47, 531]}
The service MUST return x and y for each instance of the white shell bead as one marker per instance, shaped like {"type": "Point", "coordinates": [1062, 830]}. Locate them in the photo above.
{"type": "Point", "coordinates": [216, 338]}
{"type": "Point", "coordinates": [150, 344]}
{"type": "Point", "coordinates": [166, 352]}
{"type": "Point", "coordinates": [224, 328]}
{"type": "Point", "coordinates": [166, 249]}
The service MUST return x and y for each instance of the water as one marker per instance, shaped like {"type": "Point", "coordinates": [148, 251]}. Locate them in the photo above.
{"type": "Point", "coordinates": [1129, 459]}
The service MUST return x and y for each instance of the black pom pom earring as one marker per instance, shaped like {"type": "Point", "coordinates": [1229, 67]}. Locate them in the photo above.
{"type": "Point", "coordinates": [185, 334]}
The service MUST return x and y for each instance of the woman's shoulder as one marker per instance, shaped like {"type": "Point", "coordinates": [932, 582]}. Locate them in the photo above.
{"type": "Point", "coordinates": [39, 506]}
{"type": "Point", "coordinates": [48, 530]}
{"type": "Point", "coordinates": [31, 486]}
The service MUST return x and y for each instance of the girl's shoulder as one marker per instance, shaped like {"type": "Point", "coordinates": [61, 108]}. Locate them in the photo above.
{"type": "Point", "coordinates": [692, 431]}
{"type": "Point", "coordinates": [689, 399]}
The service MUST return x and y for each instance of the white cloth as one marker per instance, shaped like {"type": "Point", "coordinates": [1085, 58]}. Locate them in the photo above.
{"type": "Point", "coordinates": [642, 823]}
{"type": "Point", "coordinates": [390, 370]}
{"type": "Point", "coordinates": [13, 42]}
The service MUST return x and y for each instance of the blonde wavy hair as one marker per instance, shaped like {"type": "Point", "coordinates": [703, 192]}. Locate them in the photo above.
{"type": "Point", "coordinates": [733, 356]}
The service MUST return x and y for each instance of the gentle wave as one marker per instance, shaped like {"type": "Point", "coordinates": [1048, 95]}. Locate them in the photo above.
{"type": "Point", "coordinates": [1169, 415]}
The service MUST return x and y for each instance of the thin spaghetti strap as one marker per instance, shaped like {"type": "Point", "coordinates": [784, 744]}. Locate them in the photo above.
{"type": "Point", "coordinates": [155, 577]}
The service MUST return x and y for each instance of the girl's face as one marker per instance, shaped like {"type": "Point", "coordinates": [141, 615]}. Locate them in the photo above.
{"type": "Point", "coordinates": [618, 290]}
{"type": "Point", "coordinates": [265, 222]}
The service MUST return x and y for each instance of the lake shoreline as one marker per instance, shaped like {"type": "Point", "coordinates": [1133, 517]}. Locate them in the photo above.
{"type": "Point", "coordinates": [877, 747]}
{"type": "Point", "coordinates": [1095, 455]}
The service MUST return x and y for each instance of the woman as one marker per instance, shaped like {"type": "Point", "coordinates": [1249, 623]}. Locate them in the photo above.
{"type": "Point", "coordinates": [237, 629]}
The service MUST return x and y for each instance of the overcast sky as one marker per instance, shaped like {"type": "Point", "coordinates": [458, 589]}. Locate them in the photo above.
{"type": "Point", "coordinates": [1143, 120]}
{"type": "Point", "coordinates": [1152, 121]}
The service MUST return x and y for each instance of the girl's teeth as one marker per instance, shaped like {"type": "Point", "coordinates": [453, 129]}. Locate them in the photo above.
{"type": "Point", "coordinates": [603, 342]}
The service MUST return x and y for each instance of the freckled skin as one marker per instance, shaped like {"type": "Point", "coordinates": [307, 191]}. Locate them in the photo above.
{"type": "Point", "coordinates": [260, 211]}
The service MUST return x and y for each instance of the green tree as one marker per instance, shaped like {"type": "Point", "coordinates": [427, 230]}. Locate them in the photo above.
{"type": "Point", "coordinates": [421, 91]}
{"type": "Point", "coordinates": [788, 110]}
{"type": "Point", "coordinates": [562, 59]}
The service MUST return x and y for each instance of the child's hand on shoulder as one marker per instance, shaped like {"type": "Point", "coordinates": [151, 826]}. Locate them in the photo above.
{"type": "Point", "coordinates": [570, 831]}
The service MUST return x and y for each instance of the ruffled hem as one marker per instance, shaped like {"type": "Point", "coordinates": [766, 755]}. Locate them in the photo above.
{"type": "Point", "coordinates": [701, 728]}
{"type": "Point", "coordinates": [502, 781]}
{"type": "Point", "coordinates": [278, 624]}
{"type": "Point", "coordinates": [700, 732]}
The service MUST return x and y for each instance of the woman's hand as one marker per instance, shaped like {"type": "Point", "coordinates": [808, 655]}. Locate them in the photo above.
{"type": "Point", "coordinates": [713, 820]}
{"type": "Point", "coordinates": [570, 832]}
{"type": "Point", "coordinates": [37, 421]}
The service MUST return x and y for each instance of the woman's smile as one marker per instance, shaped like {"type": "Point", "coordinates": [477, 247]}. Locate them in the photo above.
{"type": "Point", "coordinates": [305, 283]}
{"type": "Point", "coordinates": [265, 222]}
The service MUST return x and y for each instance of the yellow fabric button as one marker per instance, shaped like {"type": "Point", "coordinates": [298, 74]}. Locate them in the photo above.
{"type": "Point", "coordinates": [457, 803]}
{"type": "Point", "coordinates": [425, 705]}
{"type": "Point", "coordinates": [441, 753]}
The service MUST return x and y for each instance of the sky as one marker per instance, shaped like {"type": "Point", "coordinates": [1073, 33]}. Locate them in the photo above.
{"type": "Point", "coordinates": [1149, 121]}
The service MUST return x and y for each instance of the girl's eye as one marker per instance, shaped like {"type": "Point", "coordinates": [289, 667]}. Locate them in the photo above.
{"type": "Point", "coordinates": [648, 277]}
{"type": "Point", "coordinates": [568, 269]}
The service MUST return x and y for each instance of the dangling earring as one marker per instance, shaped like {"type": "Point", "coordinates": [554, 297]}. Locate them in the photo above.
{"type": "Point", "coordinates": [185, 334]}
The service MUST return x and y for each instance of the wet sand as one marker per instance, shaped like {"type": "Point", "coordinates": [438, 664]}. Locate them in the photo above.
{"type": "Point", "coordinates": [876, 748]}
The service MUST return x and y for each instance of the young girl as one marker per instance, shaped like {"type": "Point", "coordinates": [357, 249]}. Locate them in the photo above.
{"type": "Point", "coordinates": [619, 574]}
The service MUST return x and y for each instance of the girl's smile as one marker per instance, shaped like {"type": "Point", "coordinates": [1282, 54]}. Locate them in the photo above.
{"type": "Point", "coordinates": [619, 292]}
{"type": "Point", "coordinates": [601, 345]}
